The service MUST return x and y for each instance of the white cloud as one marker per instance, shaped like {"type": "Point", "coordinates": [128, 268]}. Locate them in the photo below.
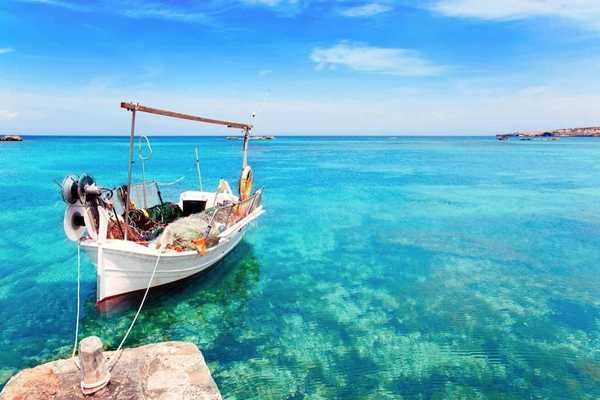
{"type": "Point", "coordinates": [366, 10]}
{"type": "Point", "coordinates": [4, 50]}
{"type": "Point", "coordinates": [6, 115]}
{"type": "Point", "coordinates": [582, 11]}
{"type": "Point", "coordinates": [360, 57]}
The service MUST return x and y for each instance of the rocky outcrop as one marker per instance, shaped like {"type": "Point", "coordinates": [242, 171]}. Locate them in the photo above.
{"type": "Point", "coordinates": [572, 132]}
{"type": "Point", "coordinates": [11, 138]}
{"type": "Point", "coordinates": [593, 131]}
{"type": "Point", "coordinates": [163, 371]}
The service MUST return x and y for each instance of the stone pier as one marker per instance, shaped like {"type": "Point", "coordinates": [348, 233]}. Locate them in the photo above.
{"type": "Point", "coordinates": [162, 371]}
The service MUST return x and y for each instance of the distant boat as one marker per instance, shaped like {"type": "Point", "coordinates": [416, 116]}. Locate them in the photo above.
{"type": "Point", "coordinates": [506, 136]}
{"type": "Point", "coordinates": [251, 137]}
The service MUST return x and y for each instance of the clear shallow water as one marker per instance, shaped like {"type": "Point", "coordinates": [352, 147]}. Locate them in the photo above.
{"type": "Point", "coordinates": [410, 268]}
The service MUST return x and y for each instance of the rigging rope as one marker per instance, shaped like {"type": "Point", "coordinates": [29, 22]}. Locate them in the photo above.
{"type": "Point", "coordinates": [118, 352]}
{"type": "Point", "coordinates": [176, 181]}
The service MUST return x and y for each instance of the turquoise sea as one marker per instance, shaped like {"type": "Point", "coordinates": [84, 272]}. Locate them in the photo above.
{"type": "Point", "coordinates": [384, 268]}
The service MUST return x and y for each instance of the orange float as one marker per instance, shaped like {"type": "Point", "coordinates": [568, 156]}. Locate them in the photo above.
{"type": "Point", "coordinates": [245, 183]}
{"type": "Point", "coordinates": [200, 245]}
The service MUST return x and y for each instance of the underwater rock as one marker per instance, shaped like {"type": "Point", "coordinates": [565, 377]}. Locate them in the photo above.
{"type": "Point", "coordinates": [169, 370]}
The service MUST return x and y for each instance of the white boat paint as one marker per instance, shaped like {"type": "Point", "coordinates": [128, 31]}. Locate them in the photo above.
{"type": "Point", "coordinates": [125, 266]}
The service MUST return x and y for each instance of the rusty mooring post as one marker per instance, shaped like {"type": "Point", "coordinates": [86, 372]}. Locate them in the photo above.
{"type": "Point", "coordinates": [94, 371]}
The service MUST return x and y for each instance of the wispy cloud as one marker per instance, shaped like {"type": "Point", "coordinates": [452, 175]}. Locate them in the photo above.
{"type": "Point", "coordinates": [366, 10]}
{"type": "Point", "coordinates": [138, 9]}
{"type": "Point", "coordinates": [361, 57]}
{"type": "Point", "coordinates": [57, 3]}
{"type": "Point", "coordinates": [288, 8]}
{"type": "Point", "coordinates": [270, 3]}
{"type": "Point", "coordinates": [6, 115]}
{"type": "Point", "coordinates": [477, 110]}
{"type": "Point", "coordinates": [586, 12]}
{"type": "Point", "coordinates": [4, 50]}
{"type": "Point", "coordinates": [167, 13]}
{"type": "Point", "coordinates": [188, 11]}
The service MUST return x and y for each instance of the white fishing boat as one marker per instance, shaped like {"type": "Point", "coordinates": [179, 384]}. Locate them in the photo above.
{"type": "Point", "coordinates": [136, 240]}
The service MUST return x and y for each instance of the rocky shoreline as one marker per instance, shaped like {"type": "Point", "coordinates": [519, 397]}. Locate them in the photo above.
{"type": "Point", "coordinates": [11, 138]}
{"type": "Point", "coordinates": [160, 371]}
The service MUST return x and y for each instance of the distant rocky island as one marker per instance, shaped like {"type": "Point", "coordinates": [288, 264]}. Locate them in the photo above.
{"type": "Point", "coordinates": [11, 138]}
{"type": "Point", "coordinates": [569, 132]}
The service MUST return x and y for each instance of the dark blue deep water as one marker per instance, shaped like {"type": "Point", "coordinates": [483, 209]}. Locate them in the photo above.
{"type": "Point", "coordinates": [408, 268]}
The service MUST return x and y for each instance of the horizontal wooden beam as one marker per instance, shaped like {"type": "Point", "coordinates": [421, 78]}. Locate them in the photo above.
{"type": "Point", "coordinates": [139, 107]}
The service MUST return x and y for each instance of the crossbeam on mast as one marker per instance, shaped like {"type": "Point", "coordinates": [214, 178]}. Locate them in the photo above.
{"type": "Point", "coordinates": [173, 114]}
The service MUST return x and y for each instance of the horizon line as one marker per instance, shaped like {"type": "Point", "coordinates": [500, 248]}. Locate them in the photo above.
{"type": "Point", "coordinates": [258, 135]}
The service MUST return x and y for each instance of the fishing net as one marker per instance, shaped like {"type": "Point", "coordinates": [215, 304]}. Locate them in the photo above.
{"type": "Point", "coordinates": [144, 223]}
{"type": "Point", "coordinates": [182, 234]}
{"type": "Point", "coordinates": [164, 213]}
{"type": "Point", "coordinates": [201, 231]}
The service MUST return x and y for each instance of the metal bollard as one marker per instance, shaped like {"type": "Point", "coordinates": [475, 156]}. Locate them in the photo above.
{"type": "Point", "coordinates": [94, 371]}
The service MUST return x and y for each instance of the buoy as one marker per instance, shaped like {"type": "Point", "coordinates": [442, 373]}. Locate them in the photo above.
{"type": "Point", "coordinates": [200, 245]}
{"type": "Point", "coordinates": [246, 183]}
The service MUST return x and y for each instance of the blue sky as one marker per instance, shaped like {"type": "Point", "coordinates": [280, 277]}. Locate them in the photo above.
{"type": "Point", "coordinates": [305, 66]}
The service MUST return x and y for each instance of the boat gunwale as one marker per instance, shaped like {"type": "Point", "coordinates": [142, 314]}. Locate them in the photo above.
{"type": "Point", "coordinates": [119, 245]}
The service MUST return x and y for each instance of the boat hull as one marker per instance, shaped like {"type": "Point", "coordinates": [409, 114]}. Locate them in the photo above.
{"type": "Point", "coordinates": [120, 270]}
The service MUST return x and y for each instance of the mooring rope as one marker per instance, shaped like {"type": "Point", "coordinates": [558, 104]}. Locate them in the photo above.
{"type": "Point", "coordinates": [118, 352]}
{"type": "Point", "coordinates": [78, 300]}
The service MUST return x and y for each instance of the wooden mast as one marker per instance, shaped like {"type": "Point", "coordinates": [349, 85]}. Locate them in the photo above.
{"type": "Point", "coordinates": [129, 172]}
{"type": "Point", "coordinates": [245, 148]}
